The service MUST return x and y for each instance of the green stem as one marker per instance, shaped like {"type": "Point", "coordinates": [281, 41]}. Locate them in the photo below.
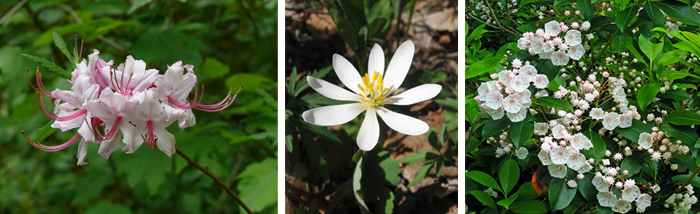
{"type": "Point", "coordinates": [689, 178]}
{"type": "Point", "coordinates": [217, 180]}
{"type": "Point", "coordinates": [605, 47]}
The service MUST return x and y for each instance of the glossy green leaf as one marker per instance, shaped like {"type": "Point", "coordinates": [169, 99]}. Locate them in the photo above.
{"type": "Point", "coordinates": [44, 132]}
{"type": "Point", "coordinates": [685, 160]}
{"type": "Point", "coordinates": [682, 117]}
{"type": "Point", "coordinates": [49, 65]}
{"type": "Point", "coordinates": [632, 133]}
{"type": "Point", "coordinates": [626, 17]}
{"type": "Point", "coordinates": [633, 164]}
{"type": "Point", "coordinates": [560, 194]}
{"type": "Point", "coordinates": [646, 94]}
{"type": "Point", "coordinates": [530, 206]}
{"type": "Point", "coordinates": [506, 202]}
{"type": "Point", "coordinates": [61, 45]}
{"type": "Point", "coordinates": [554, 103]}
{"type": "Point", "coordinates": [509, 175]}
{"type": "Point", "coordinates": [599, 146]}
{"type": "Point", "coordinates": [484, 198]}
{"type": "Point", "coordinates": [679, 11]}
{"type": "Point", "coordinates": [654, 13]}
{"type": "Point", "coordinates": [482, 67]}
{"type": "Point", "coordinates": [586, 188]}
{"type": "Point", "coordinates": [521, 132]}
{"type": "Point", "coordinates": [586, 8]}
{"type": "Point", "coordinates": [683, 133]}
{"type": "Point", "coordinates": [493, 127]}
{"type": "Point", "coordinates": [649, 49]}
{"type": "Point", "coordinates": [484, 179]}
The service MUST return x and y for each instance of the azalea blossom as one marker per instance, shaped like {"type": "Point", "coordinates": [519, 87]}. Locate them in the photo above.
{"type": "Point", "coordinates": [370, 93]}
{"type": "Point", "coordinates": [109, 105]}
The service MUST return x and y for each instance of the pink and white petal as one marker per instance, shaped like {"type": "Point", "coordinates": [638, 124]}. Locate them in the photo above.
{"type": "Point", "coordinates": [132, 137]}
{"type": "Point", "coordinates": [347, 73]}
{"type": "Point", "coordinates": [109, 146]}
{"type": "Point", "coordinates": [399, 65]}
{"type": "Point", "coordinates": [403, 123]}
{"type": "Point", "coordinates": [333, 115]}
{"type": "Point", "coordinates": [329, 90]}
{"type": "Point", "coordinates": [414, 95]}
{"type": "Point", "coordinates": [166, 141]}
{"type": "Point", "coordinates": [376, 61]}
{"type": "Point", "coordinates": [368, 135]}
{"type": "Point", "coordinates": [82, 151]}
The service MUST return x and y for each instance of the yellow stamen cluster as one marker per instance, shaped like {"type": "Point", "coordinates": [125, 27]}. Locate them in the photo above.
{"type": "Point", "coordinates": [373, 92]}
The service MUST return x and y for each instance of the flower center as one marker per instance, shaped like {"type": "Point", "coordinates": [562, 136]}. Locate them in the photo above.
{"type": "Point", "coordinates": [373, 91]}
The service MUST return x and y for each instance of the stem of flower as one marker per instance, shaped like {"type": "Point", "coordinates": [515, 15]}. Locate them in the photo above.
{"type": "Point", "coordinates": [212, 176]}
{"type": "Point", "coordinates": [689, 178]}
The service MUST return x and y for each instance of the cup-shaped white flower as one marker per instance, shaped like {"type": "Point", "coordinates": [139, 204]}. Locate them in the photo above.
{"type": "Point", "coordinates": [557, 171]}
{"type": "Point", "coordinates": [575, 52]}
{"type": "Point", "coordinates": [370, 93]}
{"type": "Point", "coordinates": [573, 37]}
{"type": "Point", "coordinates": [552, 28]}
{"type": "Point", "coordinates": [606, 199]}
{"type": "Point", "coordinates": [559, 58]}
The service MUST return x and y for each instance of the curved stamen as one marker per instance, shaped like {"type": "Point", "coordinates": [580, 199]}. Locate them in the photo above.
{"type": "Point", "coordinates": [40, 85]}
{"type": "Point", "coordinates": [52, 148]}
{"type": "Point", "coordinates": [223, 104]}
{"type": "Point", "coordinates": [111, 132]}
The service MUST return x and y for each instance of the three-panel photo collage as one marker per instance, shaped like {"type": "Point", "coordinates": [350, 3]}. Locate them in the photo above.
{"type": "Point", "coordinates": [349, 106]}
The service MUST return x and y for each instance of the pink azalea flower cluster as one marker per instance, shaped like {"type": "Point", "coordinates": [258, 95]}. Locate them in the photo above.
{"type": "Point", "coordinates": [508, 93]}
{"type": "Point", "coordinates": [556, 42]}
{"type": "Point", "coordinates": [131, 103]}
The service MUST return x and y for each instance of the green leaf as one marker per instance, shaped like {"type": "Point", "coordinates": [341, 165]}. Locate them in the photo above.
{"type": "Point", "coordinates": [509, 175]}
{"type": "Point", "coordinates": [484, 198]}
{"type": "Point", "coordinates": [654, 14]}
{"type": "Point", "coordinates": [599, 146]}
{"type": "Point", "coordinates": [586, 8]}
{"type": "Point", "coordinates": [651, 50]}
{"type": "Point", "coordinates": [494, 126]}
{"type": "Point", "coordinates": [49, 65]}
{"type": "Point", "coordinates": [61, 45]}
{"type": "Point", "coordinates": [261, 178]}
{"type": "Point", "coordinates": [670, 57]}
{"type": "Point", "coordinates": [417, 157]}
{"type": "Point", "coordinates": [563, 2]}
{"type": "Point", "coordinates": [586, 188]}
{"type": "Point", "coordinates": [632, 133]}
{"type": "Point", "coordinates": [136, 4]}
{"type": "Point", "coordinates": [679, 11]}
{"type": "Point", "coordinates": [357, 186]}
{"type": "Point", "coordinates": [683, 118]}
{"type": "Point", "coordinates": [695, 181]}
{"type": "Point", "coordinates": [560, 195]}
{"type": "Point", "coordinates": [646, 94]}
{"type": "Point", "coordinates": [105, 207]}
{"type": "Point", "coordinates": [483, 66]}
{"type": "Point", "coordinates": [44, 132]}
{"type": "Point", "coordinates": [626, 17]}
{"type": "Point", "coordinates": [250, 82]}
{"type": "Point", "coordinates": [521, 132]}
{"type": "Point", "coordinates": [191, 203]}
{"type": "Point", "coordinates": [683, 133]}
{"type": "Point", "coordinates": [685, 161]}
{"type": "Point", "coordinates": [633, 164]}
{"type": "Point", "coordinates": [530, 206]}
{"type": "Point", "coordinates": [484, 179]}
{"type": "Point", "coordinates": [383, 164]}
{"type": "Point", "coordinates": [169, 47]}
{"type": "Point", "coordinates": [554, 103]}
{"type": "Point", "coordinates": [424, 170]}
{"type": "Point", "coordinates": [213, 68]}
{"type": "Point", "coordinates": [508, 201]}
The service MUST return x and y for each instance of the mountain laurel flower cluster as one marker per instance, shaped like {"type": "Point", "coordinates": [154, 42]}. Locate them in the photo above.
{"type": "Point", "coordinates": [370, 93]}
{"type": "Point", "coordinates": [508, 93]}
{"type": "Point", "coordinates": [131, 103]}
{"type": "Point", "coordinates": [558, 42]}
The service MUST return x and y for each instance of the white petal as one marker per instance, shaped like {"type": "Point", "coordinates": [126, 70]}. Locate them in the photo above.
{"type": "Point", "coordinates": [414, 95]}
{"type": "Point", "coordinates": [368, 136]}
{"type": "Point", "coordinates": [329, 90]}
{"type": "Point", "coordinates": [347, 73]}
{"type": "Point", "coordinates": [166, 141]}
{"type": "Point", "coordinates": [132, 137]}
{"type": "Point", "coordinates": [333, 115]}
{"type": "Point", "coordinates": [403, 123]}
{"type": "Point", "coordinates": [82, 151]}
{"type": "Point", "coordinates": [399, 65]}
{"type": "Point", "coordinates": [376, 61]}
{"type": "Point", "coordinates": [109, 146]}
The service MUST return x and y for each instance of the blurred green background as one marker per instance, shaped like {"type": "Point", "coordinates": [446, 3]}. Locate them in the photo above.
{"type": "Point", "coordinates": [230, 43]}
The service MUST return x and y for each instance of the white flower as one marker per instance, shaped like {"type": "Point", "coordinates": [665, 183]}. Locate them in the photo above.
{"type": "Point", "coordinates": [520, 83]}
{"type": "Point", "coordinates": [536, 45]}
{"type": "Point", "coordinates": [645, 140]}
{"type": "Point", "coordinates": [505, 76]}
{"type": "Point", "coordinates": [495, 114]}
{"type": "Point", "coordinates": [580, 141]}
{"type": "Point", "coordinates": [541, 128]}
{"type": "Point", "coordinates": [585, 25]}
{"type": "Point", "coordinates": [528, 71]}
{"type": "Point", "coordinates": [622, 206]}
{"type": "Point", "coordinates": [518, 116]}
{"type": "Point", "coordinates": [557, 171]}
{"type": "Point", "coordinates": [585, 168]}
{"type": "Point", "coordinates": [600, 183]}
{"type": "Point", "coordinates": [560, 155]}
{"type": "Point", "coordinates": [625, 120]}
{"type": "Point", "coordinates": [512, 103]}
{"type": "Point", "coordinates": [544, 157]}
{"type": "Point", "coordinates": [559, 132]}
{"type": "Point", "coordinates": [572, 183]}
{"type": "Point", "coordinates": [576, 161]}
{"type": "Point", "coordinates": [643, 201]}
{"type": "Point", "coordinates": [606, 199]}
{"type": "Point", "coordinates": [559, 58]}
{"type": "Point", "coordinates": [521, 153]}
{"type": "Point", "coordinates": [611, 120]}
{"type": "Point", "coordinates": [630, 193]}
{"type": "Point", "coordinates": [597, 113]}
{"type": "Point", "coordinates": [552, 28]}
{"type": "Point", "coordinates": [576, 51]}
{"type": "Point", "coordinates": [573, 37]}
{"type": "Point", "coordinates": [369, 93]}
{"type": "Point", "coordinates": [540, 81]}
{"type": "Point", "coordinates": [494, 99]}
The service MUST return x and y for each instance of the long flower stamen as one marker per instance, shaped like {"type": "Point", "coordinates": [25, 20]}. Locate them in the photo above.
{"type": "Point", "coordinates": [196, 104]}
{"type": "Point", "coordinates": [52, 148]}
